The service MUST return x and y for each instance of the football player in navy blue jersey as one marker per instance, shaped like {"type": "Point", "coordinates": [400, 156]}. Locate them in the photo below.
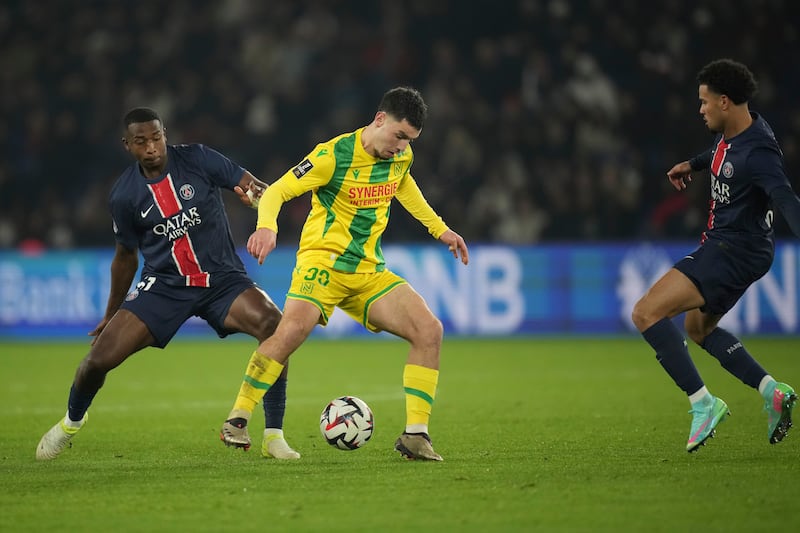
{"type": "Point", "coordinates": [748, 182]}
{"type": "Point", "coordinates": [168, 205]}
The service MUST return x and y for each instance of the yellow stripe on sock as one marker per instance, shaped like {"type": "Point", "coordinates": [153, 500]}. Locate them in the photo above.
{"type": "Point", "coordinates": [261, 373]}
{"type": "Point", "coordinates": [419, 383]}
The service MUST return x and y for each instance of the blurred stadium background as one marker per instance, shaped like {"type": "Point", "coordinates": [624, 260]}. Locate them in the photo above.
{"type": "Point", "coordinates": [552, 124]}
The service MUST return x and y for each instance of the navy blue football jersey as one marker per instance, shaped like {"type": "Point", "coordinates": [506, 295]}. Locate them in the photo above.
{"type": "Point", "coordinates": [745, 170]}
{"type": "Point", "coordinates": [178, 220]}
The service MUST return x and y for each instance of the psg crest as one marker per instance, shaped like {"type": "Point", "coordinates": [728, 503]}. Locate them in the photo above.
{"type": "Point", "coordinates": [727, 169]}
{"type": "Point", "coordinates": [186, 191]}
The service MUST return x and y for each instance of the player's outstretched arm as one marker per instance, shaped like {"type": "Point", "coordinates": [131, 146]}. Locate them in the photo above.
{"type": "Point", "coordinates": [261, 243]}
{"type": "Point", "coordinates": [123, 269]}
{"type": "Point", "coordinates": [455, 243]}
{"type": "Point", "coordinates": [680, 174]}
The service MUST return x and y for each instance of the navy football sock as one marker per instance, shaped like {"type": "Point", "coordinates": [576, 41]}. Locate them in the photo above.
{"type": "Point", "coordinates": [733, 357]}
{"type": "Point", "coordinates": [275, 404]}
{"type": "Point", "coordinates": [79, 403]}
{"type": "Point", "coordinates": [672, 353]}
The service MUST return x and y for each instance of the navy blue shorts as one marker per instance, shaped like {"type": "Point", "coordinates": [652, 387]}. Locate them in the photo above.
{"type": "Point", "coordinates": [164, 308]}
{"type": "Point", "coordinates": [723, 271]}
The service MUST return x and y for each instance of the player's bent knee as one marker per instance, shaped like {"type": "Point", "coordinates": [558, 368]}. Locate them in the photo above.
{"type": "Point", "coordinates": [641, 318]}
{"type": "Point", "coordinates": [92, 372]}
{"type": "Point", "coordinates": [430, 332]}
{"type": "Point", "coordinates": [294, 329]}
{"type": "Point", "coordinates": [437, 330]}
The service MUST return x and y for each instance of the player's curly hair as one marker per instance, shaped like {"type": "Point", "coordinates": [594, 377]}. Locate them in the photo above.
{"type": "Point", "coordinates": [729, 77]}
{"type": "Point", "coordinates": [405, 103]}
{"type": "Point", "coordinates": [140, 114]}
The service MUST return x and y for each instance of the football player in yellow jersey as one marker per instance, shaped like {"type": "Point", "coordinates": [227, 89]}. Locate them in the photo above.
{"type": "Point", "coordinates": [353, 178]}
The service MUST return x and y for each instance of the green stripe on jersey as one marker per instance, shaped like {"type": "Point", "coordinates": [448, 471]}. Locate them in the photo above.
{"type": "Point", "coordinates": [378, 251]}
{"type": "Point", "coordinates": [380, 171]}
{"type": "Point", "coordinates": [343, 152]}
{"type": "Point", "coordinates": [361, 226]}
{"type": "Point", "coordinates": [360, 230]}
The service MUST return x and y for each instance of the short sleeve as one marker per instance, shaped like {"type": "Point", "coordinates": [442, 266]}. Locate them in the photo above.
{"type": "Point", "coordinates": [221, 170]}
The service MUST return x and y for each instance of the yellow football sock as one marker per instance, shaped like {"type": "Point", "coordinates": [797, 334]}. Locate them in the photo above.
{"type": "Point", "coordinates": [261, 373]}
{"type": "Point", "coordinates": [419, 383]}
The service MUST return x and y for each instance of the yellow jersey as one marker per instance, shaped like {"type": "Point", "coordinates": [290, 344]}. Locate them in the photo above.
{"type": "Point", "coordinates": [352, 192]}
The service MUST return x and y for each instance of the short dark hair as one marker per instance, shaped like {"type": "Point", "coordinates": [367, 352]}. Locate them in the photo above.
{"type": "Point", "coordinates": [140, 114]}
{"type": "Point", "coordinates": [729, 77]}
{"type": "Point", "coordinates": [405, 103]}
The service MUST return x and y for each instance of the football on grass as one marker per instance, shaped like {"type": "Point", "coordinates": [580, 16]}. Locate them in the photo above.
{"type": "Point", "coordinates": [346, 423]}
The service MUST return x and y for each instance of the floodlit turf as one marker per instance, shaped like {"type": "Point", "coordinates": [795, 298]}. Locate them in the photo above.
{"type": "Point", "coordinates": [537, 434]}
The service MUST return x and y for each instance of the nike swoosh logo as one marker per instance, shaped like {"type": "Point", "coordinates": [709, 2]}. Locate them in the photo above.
{"type": "Point", "coordinates": [144, 213]}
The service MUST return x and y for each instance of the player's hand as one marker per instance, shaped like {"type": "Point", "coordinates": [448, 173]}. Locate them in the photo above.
{"type": "Point", "coordinates": [261, 243]}
{"type": "Point", "coordinates": [98, 329]}
{"type": "Point", "coordinates": [455, 243]}
{"type": "Point", "coordinates": [680, 175]}
{"type": "Point", "coordinates": [251, 196]}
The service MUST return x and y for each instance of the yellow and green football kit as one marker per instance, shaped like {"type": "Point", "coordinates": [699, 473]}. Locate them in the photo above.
{"type": "Point", "coordinates": [340, 246]}
{"type": "Point", "coordinates": [339, 259]}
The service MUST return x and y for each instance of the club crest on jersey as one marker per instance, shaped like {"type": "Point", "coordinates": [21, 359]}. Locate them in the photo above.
{"type": "Point", "coordinates": [186, 191]}
{"type": "Point", "coordinates": [132, 295]}
{"type": "Point", "coordinates": [727, 169]}
{"type": "Point", "coordinates": [300, 170]}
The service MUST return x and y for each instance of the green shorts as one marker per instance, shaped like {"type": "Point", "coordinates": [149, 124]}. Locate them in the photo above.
{"type": "Point", "coordinates": [352, 293]}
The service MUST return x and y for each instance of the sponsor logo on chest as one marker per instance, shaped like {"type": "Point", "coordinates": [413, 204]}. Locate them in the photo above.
{"type": "Point", "coordinates": [372, 195]}
{"type": "Point", "coordinates": [178, 225]}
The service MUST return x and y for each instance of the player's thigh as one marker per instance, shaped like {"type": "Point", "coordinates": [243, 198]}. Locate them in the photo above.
{"type": "Point", "coordinates": [403, 312]}
{"type": "Point", "coordinates": [298, 320]}
{"type": "Point", "coordinates": [723, 271]}
{"type": "Point", "coordinates": [254, 313]}
{"type": "Point", "coordinates": [672, 294]}
{"type": "Point", "coordinates": [163, 308]}
{"type": "Point", "coordinates": [124, 335]}
{"type": "Point", "coordinates": [362, 291]}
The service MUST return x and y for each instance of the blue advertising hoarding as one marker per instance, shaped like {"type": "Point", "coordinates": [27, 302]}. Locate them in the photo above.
{"type": "Point", "coordinates": [549, 289]}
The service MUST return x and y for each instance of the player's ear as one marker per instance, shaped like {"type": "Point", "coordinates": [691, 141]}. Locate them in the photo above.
{"type": "Point", "coordinates": [380, 118]}
{"type": "Point", "coordinates": [125, 144]}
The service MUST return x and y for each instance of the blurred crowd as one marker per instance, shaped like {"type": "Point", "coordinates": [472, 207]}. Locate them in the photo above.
{"type": "Point", "coordinates": [550, 120]}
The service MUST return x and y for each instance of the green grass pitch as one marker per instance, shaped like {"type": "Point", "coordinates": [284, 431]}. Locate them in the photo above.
{"type": "Point", "coordinates": [538, 434]}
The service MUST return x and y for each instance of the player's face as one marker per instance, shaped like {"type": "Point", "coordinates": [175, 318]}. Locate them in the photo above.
{"type": "Point", "coordinates": [392, 136]}
{"type": "Point", "coordinates": [147, 142]}
{"type": "Point", "coordinates": [712, 107]}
